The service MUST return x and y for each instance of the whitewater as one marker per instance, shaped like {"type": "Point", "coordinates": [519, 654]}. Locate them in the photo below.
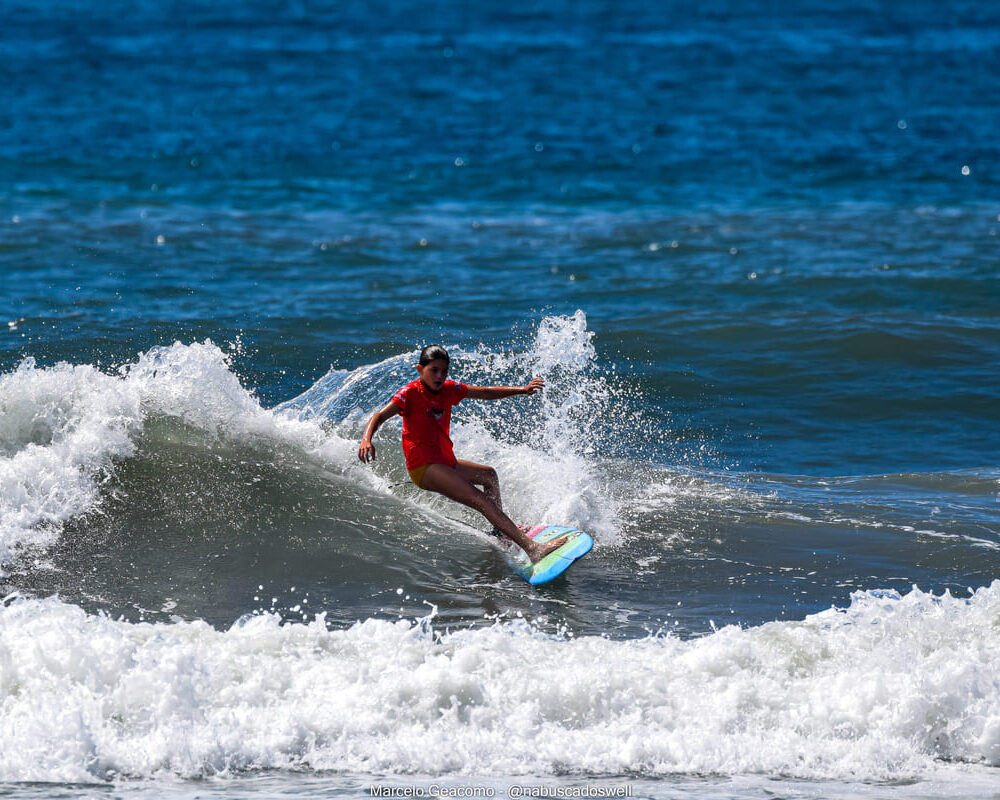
{"type": "Point", "coordinates": [451, 669]}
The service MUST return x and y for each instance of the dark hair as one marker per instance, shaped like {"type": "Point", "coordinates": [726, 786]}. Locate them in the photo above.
{"type": "Point", "coordinates": [433, 352]}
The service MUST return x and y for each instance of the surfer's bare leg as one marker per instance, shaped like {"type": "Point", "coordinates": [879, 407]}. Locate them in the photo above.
{"type": "Point", "coordinates": [449, 482]}
{"type": "Point", "coordinates": [486, 478]}
{"type": "Point", "coordinates": [481, 475]}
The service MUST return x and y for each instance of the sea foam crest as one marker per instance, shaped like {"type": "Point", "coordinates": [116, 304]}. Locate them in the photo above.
{"type": "Point", "coordinates": [63, 428]}
{"type": "Point", "coordinates": [892, 688]}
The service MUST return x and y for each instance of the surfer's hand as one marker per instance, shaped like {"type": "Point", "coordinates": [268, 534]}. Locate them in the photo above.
{"type": "Point", "coordinates": [367, 451]}
{"type": "Point", "coordinates": [534, 386]}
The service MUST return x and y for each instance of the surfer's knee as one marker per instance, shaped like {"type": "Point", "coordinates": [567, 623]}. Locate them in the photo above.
{"type": "Point", "coordinates": [490, 477]}
{"type": "Point", "coordinates": [478, 474]}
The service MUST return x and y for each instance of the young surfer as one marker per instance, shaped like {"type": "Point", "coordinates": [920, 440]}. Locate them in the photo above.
{"type": "Point", "coordinates": [425, 405]}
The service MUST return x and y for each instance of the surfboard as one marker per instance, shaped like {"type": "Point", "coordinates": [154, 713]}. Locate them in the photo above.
{"type": "Point", "coordinates": [558, 561]}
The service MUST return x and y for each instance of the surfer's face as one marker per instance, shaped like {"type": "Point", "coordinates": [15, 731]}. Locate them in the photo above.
{"type": "Point", "coordinates": [434, 374]}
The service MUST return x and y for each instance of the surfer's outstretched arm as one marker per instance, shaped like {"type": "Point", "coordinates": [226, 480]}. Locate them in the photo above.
{"type": "Point", "coordinates": [366, 451]}
{"type": "Point", "coordinates": [499, 392]}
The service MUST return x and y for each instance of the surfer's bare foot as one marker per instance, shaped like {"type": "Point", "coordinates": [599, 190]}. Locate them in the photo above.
{"type": "Point", "coordinates": [539, 551]}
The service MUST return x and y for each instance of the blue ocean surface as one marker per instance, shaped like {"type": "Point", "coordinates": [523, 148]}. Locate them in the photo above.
{"type": "Point", "coordinates": [751, 247]}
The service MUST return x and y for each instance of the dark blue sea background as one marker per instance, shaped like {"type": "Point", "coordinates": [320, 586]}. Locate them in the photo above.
{"type": "Point", "coordinates": [751, 246]}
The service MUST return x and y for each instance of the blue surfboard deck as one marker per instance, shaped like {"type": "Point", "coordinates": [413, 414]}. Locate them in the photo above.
{"type": "Point", "coordinates": [558, 561]}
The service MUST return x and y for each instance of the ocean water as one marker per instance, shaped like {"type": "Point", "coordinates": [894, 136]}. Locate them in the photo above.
{"type": "Point", "coordinates": [752, 248]}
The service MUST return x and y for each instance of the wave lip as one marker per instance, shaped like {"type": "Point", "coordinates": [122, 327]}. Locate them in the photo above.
{"type": "Point", "coordinates": [891, 688]}
{"type": "Point", "coordinates": [64, 428]}
{"type": "Point", "coordinates": [60, 431]}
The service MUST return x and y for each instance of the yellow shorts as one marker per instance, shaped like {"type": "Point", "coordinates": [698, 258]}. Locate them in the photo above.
{"type": "Point", "coordinates": [417, 475]}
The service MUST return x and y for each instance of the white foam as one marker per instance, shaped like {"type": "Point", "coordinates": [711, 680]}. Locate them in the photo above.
{"type": "Point", "coordinates": [893, 688]}
{"type": "Point", "coordinates": [60, 430]}
{"type": "Point", "coordinates": [63, 428]}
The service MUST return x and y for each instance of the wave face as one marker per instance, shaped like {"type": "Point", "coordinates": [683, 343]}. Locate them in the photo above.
{"type": "Point", "coordinates": [65, 429]}
{"type": "Point", "coordinates": [124, 489]}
